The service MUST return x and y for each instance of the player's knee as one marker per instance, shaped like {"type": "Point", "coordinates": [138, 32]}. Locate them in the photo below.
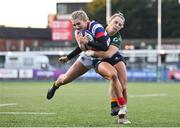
{"type": "Point", "coordinates": [113, 75]}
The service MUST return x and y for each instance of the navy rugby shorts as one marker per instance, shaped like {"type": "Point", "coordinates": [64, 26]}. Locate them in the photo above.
{"type": "Point", "coordinates": [117, 57]}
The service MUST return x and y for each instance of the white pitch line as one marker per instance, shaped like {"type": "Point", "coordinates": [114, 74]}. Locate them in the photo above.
{"type": "Point", "coordinates": [26, 113]}
{"type": "Point", "coordinates": [9, 104]}
{"type": "Point", "coordinates": [148, 95]}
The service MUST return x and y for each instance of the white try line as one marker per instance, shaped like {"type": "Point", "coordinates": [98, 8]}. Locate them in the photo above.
{"type": "Point", "coordinates": [9, 104]}
{"type": "Point", "coordinates": [26, 113]}
{"type": "Point", "coordinates": [149, 95]}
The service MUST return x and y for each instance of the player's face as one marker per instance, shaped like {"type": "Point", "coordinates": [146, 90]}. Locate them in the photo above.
{"type": "Point", "coordinates": [79, 24]}
{"type": "Point", "coordinates": [115, 25]}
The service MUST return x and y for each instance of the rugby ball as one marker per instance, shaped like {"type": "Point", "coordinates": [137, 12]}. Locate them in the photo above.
{"type": "Point", "coordinates": [90, 37]}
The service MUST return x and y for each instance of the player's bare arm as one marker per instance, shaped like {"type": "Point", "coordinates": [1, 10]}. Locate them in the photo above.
{"type": "Point", "coordinates": [106, 54]}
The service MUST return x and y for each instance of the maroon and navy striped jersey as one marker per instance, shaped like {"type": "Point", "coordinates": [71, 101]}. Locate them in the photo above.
{"type": "Point", "coordinates": [99, 33]}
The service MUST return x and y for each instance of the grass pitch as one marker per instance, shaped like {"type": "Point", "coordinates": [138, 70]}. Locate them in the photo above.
{"type": "Point", "coordinates": [86, 104]}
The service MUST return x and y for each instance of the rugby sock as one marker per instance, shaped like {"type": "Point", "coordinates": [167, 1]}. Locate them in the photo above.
{"type": "Point", "coordinates": [121, 101]}
{"type": "Point", "coordinates": [54, 87]}
{"type": "Point", "coordinates": [114, 103]}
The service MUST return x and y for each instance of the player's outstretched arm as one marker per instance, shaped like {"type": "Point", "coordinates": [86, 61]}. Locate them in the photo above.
{"type": "Point", "coordinates": [63, 59]}
{"type": "Point", "coordinates": [103, 54]}
{"type": "Point", "coordinates": [71, 55]}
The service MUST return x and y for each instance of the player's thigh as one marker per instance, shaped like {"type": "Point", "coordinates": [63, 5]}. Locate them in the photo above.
{"type": "Point", "coordinates": [122, 73]}
{"type": "Point", "coordinates": [76, 70]}
{"type": "Point", "coordinates": [106, 70]}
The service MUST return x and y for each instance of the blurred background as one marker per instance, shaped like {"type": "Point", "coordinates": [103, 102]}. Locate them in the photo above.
{"type": "Point", "coordinates": [33, 34]}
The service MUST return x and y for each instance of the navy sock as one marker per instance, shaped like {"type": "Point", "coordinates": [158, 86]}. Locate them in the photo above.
{"type": "Point", "coordinates": [55, 87]}
{"type": "Point", "coordinates": [114, 104]}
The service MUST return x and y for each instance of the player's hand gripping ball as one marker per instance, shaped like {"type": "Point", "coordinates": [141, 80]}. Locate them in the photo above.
{"type": "Point", "coordinates": [90, 38]}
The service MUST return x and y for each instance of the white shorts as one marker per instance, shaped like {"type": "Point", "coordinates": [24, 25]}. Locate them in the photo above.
{"type": "Point", "coordinates": [85, 60]}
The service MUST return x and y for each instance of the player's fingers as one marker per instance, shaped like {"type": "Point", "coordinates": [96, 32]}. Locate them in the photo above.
{"type": "Point", "coordinates": [62, 60]}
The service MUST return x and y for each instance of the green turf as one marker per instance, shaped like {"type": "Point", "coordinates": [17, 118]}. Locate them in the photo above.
{"type": "Point", "coordinates": [81, 104]}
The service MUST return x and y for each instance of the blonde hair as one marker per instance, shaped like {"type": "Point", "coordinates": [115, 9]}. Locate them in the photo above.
{"type": "Point", "coordinates": [79, 14]}
{"type": "Point", "coordinates": [119, 14]}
